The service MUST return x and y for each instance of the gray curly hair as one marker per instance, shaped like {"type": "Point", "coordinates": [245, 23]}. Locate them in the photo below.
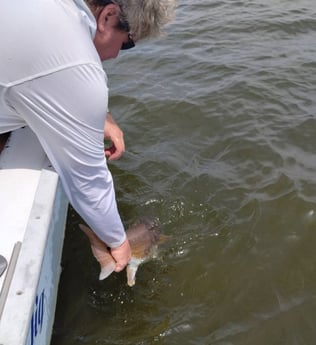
{"type": "Point", "coordinates": [145, 18]}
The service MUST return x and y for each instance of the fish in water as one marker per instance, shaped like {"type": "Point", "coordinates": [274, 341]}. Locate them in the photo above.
{"type": "Point", "coordinates": [143, 236]}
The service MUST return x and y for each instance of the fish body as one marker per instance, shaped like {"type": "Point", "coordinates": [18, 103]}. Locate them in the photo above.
{"type": "Point", "coordinates": [143, 236]}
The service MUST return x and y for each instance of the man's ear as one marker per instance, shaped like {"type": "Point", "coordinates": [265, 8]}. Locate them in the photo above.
{"type": "Point", "coordinates": [107, 17]}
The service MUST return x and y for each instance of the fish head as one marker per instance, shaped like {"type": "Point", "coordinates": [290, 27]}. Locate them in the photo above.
{"type": "Point", "coordinates": [143, 236]}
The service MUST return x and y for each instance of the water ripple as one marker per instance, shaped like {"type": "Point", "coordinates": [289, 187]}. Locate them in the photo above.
{"type": "Point", "coordinates": [219, 122]}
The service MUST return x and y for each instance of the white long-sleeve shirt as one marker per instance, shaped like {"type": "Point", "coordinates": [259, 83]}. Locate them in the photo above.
{"type": "Point", "coordinates": [52, 80]}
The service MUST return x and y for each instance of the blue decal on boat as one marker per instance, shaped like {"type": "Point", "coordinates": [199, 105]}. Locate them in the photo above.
{"type": "Point", "coordinates": [37, 317]}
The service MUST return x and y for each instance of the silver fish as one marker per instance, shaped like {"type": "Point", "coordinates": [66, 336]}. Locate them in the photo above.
{"type": "Point", "coordinates": [143, 236]}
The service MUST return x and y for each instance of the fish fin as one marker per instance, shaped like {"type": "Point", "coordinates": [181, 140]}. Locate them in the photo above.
{"type": "Point", "coordinates": [131, 274]}
{"type": "Point", "coordinates": [163, 238]}
{"type": "Point", "coordinates": [100, 252]}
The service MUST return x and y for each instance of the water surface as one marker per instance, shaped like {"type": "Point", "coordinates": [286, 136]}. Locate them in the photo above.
{"type": "Point", "coordinates": [219, 120]}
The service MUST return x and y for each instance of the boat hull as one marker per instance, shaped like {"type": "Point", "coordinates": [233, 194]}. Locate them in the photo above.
{"type": "Point", "coordinates": [32, 242]}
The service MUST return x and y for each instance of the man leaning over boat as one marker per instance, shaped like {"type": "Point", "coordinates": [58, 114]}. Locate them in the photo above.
{"type": "Point", "coordinates": [52, 80]}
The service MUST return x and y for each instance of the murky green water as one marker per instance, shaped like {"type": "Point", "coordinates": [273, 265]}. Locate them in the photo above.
{"type": "Point", "coordinates": [220, 121]}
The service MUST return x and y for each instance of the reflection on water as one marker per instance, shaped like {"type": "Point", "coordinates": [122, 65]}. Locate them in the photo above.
{"type": "Point", "coordinates": [219, 121]}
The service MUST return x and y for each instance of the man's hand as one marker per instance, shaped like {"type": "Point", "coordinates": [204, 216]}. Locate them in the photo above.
{"type": "Point", "coordinates": [121, 255]}
{"type": "Point", "coordinates": [113, 132]}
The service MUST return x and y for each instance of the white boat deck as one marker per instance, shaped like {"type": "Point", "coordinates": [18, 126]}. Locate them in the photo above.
{"type": "Point", "coordinates": [33, 210]}
{"type": "Point", "coordinates": [19, 176]}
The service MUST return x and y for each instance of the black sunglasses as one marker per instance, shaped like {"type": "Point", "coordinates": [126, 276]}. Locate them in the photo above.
{"type": "Point", "coordinates": [129, 44]}
{"type": "Point", "coordinates": [124, 25]}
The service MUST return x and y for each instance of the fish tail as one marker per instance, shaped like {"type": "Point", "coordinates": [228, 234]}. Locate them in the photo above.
{"type": "Point", "coordinates": [93, 238]}
{"type": "Point", "coordinates": [107, 269]}
{"type": "Point", "coordinates": [100, 252]}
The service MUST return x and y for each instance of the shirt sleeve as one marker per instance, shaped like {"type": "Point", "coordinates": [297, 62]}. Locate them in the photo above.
{"type": "Point", "coordinates": [67, 111]}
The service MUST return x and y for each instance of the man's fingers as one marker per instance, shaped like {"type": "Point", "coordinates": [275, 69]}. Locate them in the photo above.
{"type": "Point", "coordinates": [121, 255]}
{"type": "Point", "coordinates": [113, 152]}
{"type": "Point", "coordinates": [119, 267]}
